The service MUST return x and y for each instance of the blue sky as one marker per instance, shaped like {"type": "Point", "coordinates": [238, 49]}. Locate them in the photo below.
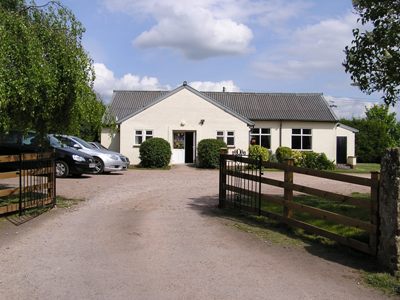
{"type": "Point", "coordinates": [244, 45]}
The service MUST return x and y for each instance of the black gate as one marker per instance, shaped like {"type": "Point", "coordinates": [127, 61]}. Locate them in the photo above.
{"type": "Point", "coordinates": [30, 182]}
{"type": "Point", "coordinates": [240, 182]}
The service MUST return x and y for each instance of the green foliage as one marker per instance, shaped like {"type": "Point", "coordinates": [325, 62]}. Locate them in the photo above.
{"type": "Point", "coordinates": [46, 76]}
{"type": "Point", "coordinates": [283, 153]}
{"type": "Point", "coordinates": [273, 158]}
{"type": "Point", "coordinates": [310, 160]}
{"type": "Point", "coordinates": [208, 153]}
{"type": "Point", "coordinates": [373, 59]}
{"type": "Point", "coordinates": [109, 121]}
{"type": "Point", "coordinates": [155, 153]}
{"type": "Point", "coordinates": [383, 281]}
{"type": "Point", "coordinates": [255, 151]}
{"type": "Point", "coordinates": [378, 131]}
{"type": "Point", "coordinates": [298, 157]}
{"type": "Point", "coordinates": [318, 161]}
{"type": "Point", "coordinates": [11, 5]}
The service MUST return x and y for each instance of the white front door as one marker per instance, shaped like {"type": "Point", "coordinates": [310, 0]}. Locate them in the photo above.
{"type": "Point", "coordinates": [178, 148]}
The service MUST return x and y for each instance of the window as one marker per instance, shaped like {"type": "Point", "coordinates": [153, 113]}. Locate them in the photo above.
{"type": "Point", "coordinates": [301, 139]}
{"type": "Point", "coordinates": [230, 138]}
{"type": "Point", "coordinates": [220, 135]}
{"type": "Point", "coordinates": [261, 136]}
{"type": "Point", "coordinates": [142, 135]}
{"type": "Point", "coordinates": [227, 136]}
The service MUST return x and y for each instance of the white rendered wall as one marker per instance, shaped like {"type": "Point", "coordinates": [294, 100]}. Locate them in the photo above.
{"type": "Point", "coordinates": [183, 107]}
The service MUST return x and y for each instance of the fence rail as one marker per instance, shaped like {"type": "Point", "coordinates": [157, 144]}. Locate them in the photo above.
{"type": "Point", "coordinates": [239, 182]}
{"type": "Point", "coordinates": [28, 181]}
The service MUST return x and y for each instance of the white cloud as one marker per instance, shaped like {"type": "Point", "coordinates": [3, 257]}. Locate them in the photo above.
{"type": "Point", "coordinates": [106, 82]}
{"type": "Point", "coordinates": [307, 50]}
{"type": "Point", "coordinates": [349, 108]}
{"type": "Point", "coordinates": [204, 28]}
{"type": "Point", "coordinates": [209, 86]}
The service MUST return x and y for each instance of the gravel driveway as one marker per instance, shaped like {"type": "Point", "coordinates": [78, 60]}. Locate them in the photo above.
{"type": "Point", "coordinates": [149, 235]}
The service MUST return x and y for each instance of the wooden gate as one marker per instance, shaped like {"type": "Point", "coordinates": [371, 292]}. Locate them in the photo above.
{"type": "Point", "coordinates": [241, 187]}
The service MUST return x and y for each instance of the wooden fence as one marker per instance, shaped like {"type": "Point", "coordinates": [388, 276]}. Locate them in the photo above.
{"type": "Point", "coordinates": [27, 181]}
{"type": "Point", "coordinates": [234, 167]}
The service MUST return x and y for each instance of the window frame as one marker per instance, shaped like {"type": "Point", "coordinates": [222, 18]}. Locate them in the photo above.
{"type": "Point", "coordinates": [260, 134]}
{"type": "Point", "coordinates": [144, 135]}
{"type": "Point", "coordinates": [225, 135]}
{"type": "Point", "coordinates": [302, 135]}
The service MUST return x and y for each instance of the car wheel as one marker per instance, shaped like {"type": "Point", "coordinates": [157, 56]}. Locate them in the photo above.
{"type": "Point", "coordinates": [99, 165]}
{"type": "Point", "coordinates": [62, 169]}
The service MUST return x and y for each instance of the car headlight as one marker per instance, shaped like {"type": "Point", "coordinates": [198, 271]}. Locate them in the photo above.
{"type": "Point", "coordinates": [77, 158]}
{"type": "Point", "coordinates": [114, 157]}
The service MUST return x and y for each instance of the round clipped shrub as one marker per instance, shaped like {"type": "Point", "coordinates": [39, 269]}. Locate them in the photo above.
{"type": "Point", "coordinates": [283, 153]}
{"type": "Point", "coordinates": [255, 151]}
{"type": "Point", "coordinates": [155, 153]}
{"type": "Point", "coordinates": [208, 153]}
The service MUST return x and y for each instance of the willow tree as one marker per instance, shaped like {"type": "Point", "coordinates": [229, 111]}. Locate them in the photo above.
{"type": "Point", "coordinates": [46, 76]}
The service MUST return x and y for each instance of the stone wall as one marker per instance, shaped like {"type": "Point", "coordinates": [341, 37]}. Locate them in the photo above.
{"type": "Point", "coordinates": [389, 206]}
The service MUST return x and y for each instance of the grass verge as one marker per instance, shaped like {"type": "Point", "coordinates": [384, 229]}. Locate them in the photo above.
{"type": "Point", "coordinates": [139, 168]}
{"type": "Point", "coordinates": [361, 168]}
{"type": "Point", "coordinates": [382, 281]}
{"type": "Point", "coordinates": [61, 202]}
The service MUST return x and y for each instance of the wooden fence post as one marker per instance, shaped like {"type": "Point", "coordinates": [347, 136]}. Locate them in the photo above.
{"type": "Point", "coordinates": [288, 191]}
{"type": "Point", "coordinates": [222, 177]}
{"type": "Point", "coordinates": [375, 178]}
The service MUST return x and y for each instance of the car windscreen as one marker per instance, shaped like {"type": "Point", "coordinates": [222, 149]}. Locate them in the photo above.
{"type": "Point", "coordinates": [84, 143]}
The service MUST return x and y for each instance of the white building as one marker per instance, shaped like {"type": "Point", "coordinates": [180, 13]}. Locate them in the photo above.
{"type": "Point", "coordinates": [185, 116]}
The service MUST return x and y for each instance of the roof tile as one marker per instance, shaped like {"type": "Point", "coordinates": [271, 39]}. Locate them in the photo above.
{"type": "Point", "coordinates": [254, 106]}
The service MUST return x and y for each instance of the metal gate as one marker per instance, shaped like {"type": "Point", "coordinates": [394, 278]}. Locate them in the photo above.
{"type": "Point", "coordinates": [29, 182]}
{"type": "Point", "coordinates": [240, 182]}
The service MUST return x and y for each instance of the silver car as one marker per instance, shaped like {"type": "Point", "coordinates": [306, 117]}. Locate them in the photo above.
{"type": "Point", "coordinates": [105, 160]}
{"type": "Point", "coordinates": [97, 145]}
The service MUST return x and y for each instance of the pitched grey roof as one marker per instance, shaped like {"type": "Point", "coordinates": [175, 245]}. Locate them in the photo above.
{"type": "Point", "coordinates": [249, 106]}
{"type": "Point", "coordinates": [125, 103]}
{"type": "Point", "coordinates": [277, 106]}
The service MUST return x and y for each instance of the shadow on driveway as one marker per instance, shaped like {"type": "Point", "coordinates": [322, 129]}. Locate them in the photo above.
{"type": "Point", "coordinates": [208, 206]}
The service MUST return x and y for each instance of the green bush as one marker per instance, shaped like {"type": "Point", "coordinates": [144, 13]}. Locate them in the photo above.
{"type": "Point", "coordinates": [310, 160]}
{"type": "Point", "coordinates": [208, 153]}
{"type": "Point", "coordinates": [255, 151]}
{"type": "Point", "coordinates": [273, 158]}
{"type": "Point", "coordinates": [319, 161]}
{"type": "Point", "coordinates": [323, 163]}
{"type": "Point", "coordinates": [155, 153]}
{"type": "Point", "coordinates": [283, 153]}
{"type": "Point", "coordinates": [298, 157]}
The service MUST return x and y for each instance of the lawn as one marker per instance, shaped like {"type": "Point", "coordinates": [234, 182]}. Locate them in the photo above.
{"type": "Point", "coordinates": [361, 168]}
{"type": "Point", "coordinates": [344, 209]}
